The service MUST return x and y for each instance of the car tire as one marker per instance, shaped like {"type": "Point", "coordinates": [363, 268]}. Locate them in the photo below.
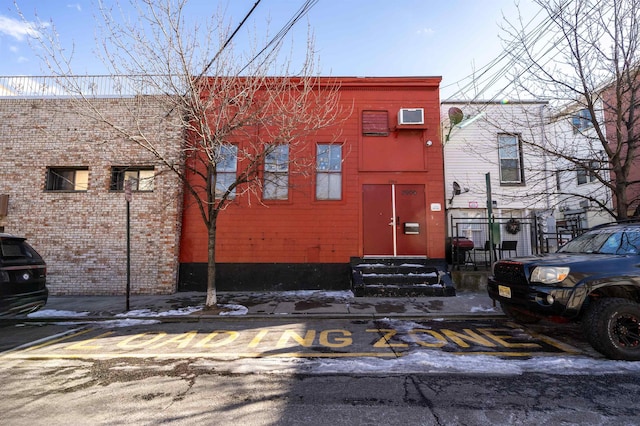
{"type": "Point", "coordinates": [519, 315]}
{"type": "Point", "coordinates": [612, 327]}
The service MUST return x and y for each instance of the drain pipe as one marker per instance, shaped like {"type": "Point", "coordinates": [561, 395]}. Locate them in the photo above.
{"type": "Point", "coordinates": [544, 156]}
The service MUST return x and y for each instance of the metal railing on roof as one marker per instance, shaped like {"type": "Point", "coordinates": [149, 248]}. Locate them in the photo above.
{"type": "Point", "coordinates": [85, 85]}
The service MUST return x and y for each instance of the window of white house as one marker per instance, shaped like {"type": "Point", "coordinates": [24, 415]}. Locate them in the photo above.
{"type": "Point", "coordinates": [510, 153]}
{"type": "Point", "coordinates": [67, 179]}
{"type": "Point", "coordinates": [587, 174]}
{"type": "Point", "coordinates": [227, 167]}
{"type": "Point", "coordinates": [329, 172]}
{"type": "Point", "coordinates": [581, 120]}
{"type": "Point", "coordinates": [141, 178]}
{"type": "Point", "coordinates": [276, 173]}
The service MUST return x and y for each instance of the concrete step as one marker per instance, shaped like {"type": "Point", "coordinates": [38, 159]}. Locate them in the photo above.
{"type": "Point", "coordinates": [400, 277]}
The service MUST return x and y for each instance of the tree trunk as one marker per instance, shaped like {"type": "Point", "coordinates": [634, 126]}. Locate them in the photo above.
{"type": "Point", "coordinates": [620, 195]}
{"type": "Point", "coordinates": [212, 297]}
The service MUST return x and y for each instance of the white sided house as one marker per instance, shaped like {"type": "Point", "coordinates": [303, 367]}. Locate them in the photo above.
{"type": "Point", "coordinates": [494, 167]}
{"type": "Point", "coordinates": [581, 195]}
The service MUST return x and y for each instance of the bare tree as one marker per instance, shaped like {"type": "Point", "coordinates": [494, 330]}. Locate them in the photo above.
{"type": "Point", "coordinates": [230, 107]}
{"type": "Point", "coordinates": [583, 59]}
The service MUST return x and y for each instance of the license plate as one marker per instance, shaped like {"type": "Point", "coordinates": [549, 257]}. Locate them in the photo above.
{"type": "Point", "coordinates": [504, 291]}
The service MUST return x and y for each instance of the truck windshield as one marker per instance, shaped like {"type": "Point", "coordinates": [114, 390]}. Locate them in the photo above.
{"type": "Point", "coordinates": [605, 241]}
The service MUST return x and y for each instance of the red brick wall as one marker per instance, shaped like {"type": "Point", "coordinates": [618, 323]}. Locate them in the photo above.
{"type": "Point", "coordinates": [610, 116]}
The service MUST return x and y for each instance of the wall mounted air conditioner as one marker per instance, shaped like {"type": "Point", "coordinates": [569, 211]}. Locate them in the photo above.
{"type": "Point", "coordinates": [411, 116]}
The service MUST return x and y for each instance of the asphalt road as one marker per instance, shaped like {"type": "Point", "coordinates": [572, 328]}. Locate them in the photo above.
{"type": "Point", "coordinates": [260, 373]}
{"type": "Point", "coordinates": [235, 338]}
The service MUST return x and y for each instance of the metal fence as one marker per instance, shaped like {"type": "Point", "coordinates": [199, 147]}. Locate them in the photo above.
{"type": "Point", "coordinates": [89, 85]}
{"type": "Point", "coordinates": [478, 242]}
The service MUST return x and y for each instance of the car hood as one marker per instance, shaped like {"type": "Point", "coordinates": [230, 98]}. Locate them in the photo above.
{"type": "Point", "coordinates": [565, 258]}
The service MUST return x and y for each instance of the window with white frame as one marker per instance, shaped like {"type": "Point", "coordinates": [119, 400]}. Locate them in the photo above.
{"type": "Point", "coordinates": [67, 179]}
{"type": "Point", "coordinates": [226, 170]}
{"type": "Point", "coordinates": [587, 174]}
{"type": "Point", "coordinates": [276, 173]}
{"type": "Point", "coordinates": [581, 120]}
{"type": "Point", "coordinates": [510, 153]}
{"type": "Point", "coordinates": [329, 172]}
{"type": "Point", "coordinates": [141, 178]}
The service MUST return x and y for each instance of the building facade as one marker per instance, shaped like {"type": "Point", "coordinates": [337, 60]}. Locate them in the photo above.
{"type": "Point", "coordinates": [494, 168]}
{"type": "Point", "coordinates": [62, 182]}
{"type": "Point", "coordinates": [375, 191]}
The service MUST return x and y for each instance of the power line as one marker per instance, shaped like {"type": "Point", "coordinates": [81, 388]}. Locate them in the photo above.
{"type": "Point", "coordinates": [516, 51]}
{"type": "Point", "coordinates": [228, 40]}
{"type": "Point", "coordinates": [506, 53]}
{"type": "Point", "coordinates": [304, 9]}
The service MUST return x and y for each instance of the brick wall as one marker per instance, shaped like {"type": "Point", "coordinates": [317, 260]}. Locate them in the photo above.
{"type": "Point", "coordinates": [82, 235]}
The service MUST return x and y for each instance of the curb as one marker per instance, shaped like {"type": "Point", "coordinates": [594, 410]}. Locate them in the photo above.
{"type": "Point", "coordinates": [278, 317]}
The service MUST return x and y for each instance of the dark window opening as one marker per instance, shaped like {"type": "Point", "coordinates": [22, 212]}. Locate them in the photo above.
{"type": "Point", "coordinates": [67, 179]}
{"type": "Point", "coordinates": [142, 178]}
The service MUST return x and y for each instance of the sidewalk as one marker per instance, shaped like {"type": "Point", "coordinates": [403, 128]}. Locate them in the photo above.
{"type": "Point", "coordinates": [310, 303]}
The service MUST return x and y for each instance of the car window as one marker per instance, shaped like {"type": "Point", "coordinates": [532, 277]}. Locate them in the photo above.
{"type": "Point", "coordinates": [606, 241]}
{"type": "Point", "coordinates": [17, 248]}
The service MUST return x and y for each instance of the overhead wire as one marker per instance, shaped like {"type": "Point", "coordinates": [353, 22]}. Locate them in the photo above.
{"type": "Point", "coordinates": [475, 78]}
{"type": "Point", "coordinates": [228, 40]}
{"type": "Point", "coordinates": [302, 11]}
{"type": "Point", "coordinates": [521, 47]}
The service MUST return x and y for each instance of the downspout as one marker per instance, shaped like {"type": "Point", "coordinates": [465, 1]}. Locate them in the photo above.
{"type": "Point", "coordinates": [544, 157]}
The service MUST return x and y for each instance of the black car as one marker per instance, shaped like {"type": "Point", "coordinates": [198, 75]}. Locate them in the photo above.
{"type": "Point", "coordinates": [23, 276]}
{"type": "Point", "coordinates": [594, 279]}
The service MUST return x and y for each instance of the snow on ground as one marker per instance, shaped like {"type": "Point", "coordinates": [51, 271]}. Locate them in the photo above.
{"type": "Point", "coordinates": [430, 362]}
{"type": "Point", "coordinates": [53, 313]}
{"type": "Point", "coordinates": [433, 361]}
{"type": "Point", "coordinates": [172, 313]}
{"type": "Point", "coordinates": [230, 310]}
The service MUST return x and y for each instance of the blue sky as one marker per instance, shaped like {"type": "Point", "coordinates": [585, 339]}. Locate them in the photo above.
{"type": "Point", "coordinates": [353, 37]}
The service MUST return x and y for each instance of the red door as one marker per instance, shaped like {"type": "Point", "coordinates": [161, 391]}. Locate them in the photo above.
{"type": "Point", "coordinates": [394, 220]}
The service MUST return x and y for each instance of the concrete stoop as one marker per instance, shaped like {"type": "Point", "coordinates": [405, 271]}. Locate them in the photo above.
{"type": "Point", "coordinates": [400, 277]}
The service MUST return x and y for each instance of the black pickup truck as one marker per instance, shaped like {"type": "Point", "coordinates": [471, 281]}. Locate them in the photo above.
{"type": "Point", "coordinates": [594, 279]}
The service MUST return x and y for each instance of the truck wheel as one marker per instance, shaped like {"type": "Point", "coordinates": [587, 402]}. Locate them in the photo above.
{"type": "Point", "coordinates": [612, 327]}
{"type": "Point", "coordinates": [519, 315]}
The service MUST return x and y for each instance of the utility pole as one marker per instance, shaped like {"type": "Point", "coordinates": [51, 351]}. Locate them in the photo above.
{"type": "Point", "coordinates": [127, 197]}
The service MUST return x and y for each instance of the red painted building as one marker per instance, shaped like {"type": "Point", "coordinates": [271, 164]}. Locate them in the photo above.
{"type": "Point", "coordinates": [386, 164]}
{"type": "Point", "coordinates": [624, 119]}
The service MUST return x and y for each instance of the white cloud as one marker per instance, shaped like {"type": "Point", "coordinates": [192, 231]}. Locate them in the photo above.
{"type": "Point", "coordinates": [426, 31]}
{"type": "Point", "coordinates": [76, 6]}
{"type": "Point", "coordinates": [17, 29]}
